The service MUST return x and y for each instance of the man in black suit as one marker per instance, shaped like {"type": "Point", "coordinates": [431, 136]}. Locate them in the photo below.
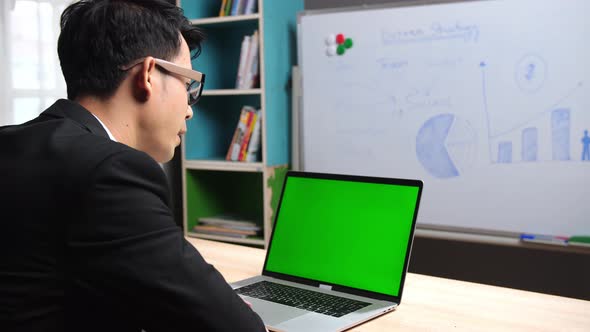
{"type": "Point", "coordinates": [87, 237]}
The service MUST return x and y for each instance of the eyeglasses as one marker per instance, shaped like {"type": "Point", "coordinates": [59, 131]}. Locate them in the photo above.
{"type": "Point", "coordinates": [194, 89]}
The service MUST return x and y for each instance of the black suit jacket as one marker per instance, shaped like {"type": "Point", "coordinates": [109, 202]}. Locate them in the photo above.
{"type": "Point", "coordinates": [88, 241]}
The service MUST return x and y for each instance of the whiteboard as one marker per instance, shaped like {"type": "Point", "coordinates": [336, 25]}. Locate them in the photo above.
{"type": "Point", "coordinates": [485, 101]}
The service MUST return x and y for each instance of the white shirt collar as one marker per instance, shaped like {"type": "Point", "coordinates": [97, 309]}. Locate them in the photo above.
{"type": "Point", "coordinates": [105, 128]}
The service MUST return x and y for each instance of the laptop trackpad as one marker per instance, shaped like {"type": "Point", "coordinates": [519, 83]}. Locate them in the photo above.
{"type": "Point", "coordinates": [274, 313]}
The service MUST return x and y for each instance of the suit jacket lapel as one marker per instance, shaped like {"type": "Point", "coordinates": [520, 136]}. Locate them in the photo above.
{"type": "Point", "coordinates": [64, 108]}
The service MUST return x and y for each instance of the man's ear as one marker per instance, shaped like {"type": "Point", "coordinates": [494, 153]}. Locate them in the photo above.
{"type": "Point", "coordinates": [143, 82]}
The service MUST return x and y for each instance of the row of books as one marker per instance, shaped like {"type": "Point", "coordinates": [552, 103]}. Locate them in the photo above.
{"type": "Point", "coordinates": [247, 75]}
{"type": "Point", "coordinates": [237, 7]}
{"type": "Point", "coordinates": [226, 225]}
{"type": "Point", "coordinates": [245, 142]}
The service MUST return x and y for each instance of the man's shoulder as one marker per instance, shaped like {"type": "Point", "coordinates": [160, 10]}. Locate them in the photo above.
{"type": "Point", "coordinates": [93, 153]}
{"type": "Point", "coordinates": [65, 144]}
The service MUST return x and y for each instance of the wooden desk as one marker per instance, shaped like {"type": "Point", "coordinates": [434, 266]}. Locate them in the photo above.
{"type": "Point", "coordinates": [435, 304]}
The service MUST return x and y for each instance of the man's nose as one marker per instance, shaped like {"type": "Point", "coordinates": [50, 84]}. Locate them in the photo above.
{"type": "Point", "coordinates": [189, 112]}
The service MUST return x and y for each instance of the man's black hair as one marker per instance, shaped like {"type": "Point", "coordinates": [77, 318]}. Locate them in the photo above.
{"type": "Point", "coordinates": [99, 36]}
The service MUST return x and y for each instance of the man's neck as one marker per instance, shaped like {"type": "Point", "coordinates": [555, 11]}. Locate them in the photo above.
{"type": "Point", "coordinates": [116, 116]}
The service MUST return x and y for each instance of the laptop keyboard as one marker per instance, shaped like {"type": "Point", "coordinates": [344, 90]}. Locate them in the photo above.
{"type": "Point", "coordinates": [302, 298]}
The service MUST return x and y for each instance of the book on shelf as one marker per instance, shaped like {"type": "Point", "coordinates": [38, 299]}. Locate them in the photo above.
{"type": "Point", "coordinates": [226, 225]}
{"type": "Point", "coordinates": [245, 143]}
{"type": "Point", "coordinates": [247, 136]}
{"type": "Point", "coordinates": [240, 236]}
{"type": "Point", "coordinates": [229, 221]}
{"type": "Point", "coordinates": [242, 63]}
{"type": "Point", "coordinates": [227, 9]}
{"type": "Point", "coordinates": [237, 7]}
{"type": "Point", "coordinates": [233, 152]}
{"type": "Point", "coordinates": [247, 75]}
{"type": "Point", "coordinates": [250, 7]}
{"type": "Point", "coordinates": [250, 81]}
{"type": "Point", "coordinates": [217, 229]}
{"type": "Point", "coordinates": [254, 144]}
{"type": "Point", "coordinates": [222, 8]}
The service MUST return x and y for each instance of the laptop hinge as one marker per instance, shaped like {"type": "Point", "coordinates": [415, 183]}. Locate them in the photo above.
{"type": "Point", "coordinates": [327, 287]}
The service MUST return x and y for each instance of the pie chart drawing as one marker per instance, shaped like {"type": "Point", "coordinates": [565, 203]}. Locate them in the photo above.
{"type": "Point", "coordinates": [446, 145]}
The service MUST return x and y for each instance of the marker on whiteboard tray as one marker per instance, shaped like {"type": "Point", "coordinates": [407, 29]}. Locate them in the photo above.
{"type": "Point", "coordinates": [579, 240]}
{"type": "Point", "coordinates": [546, 239]}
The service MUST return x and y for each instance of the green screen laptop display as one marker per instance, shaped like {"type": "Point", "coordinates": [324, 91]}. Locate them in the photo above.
{"type": "Point", "coordinates": [348, 233]}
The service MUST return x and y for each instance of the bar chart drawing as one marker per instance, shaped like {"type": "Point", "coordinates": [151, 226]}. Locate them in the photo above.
{"type": "Point", "coordinates": [560, 134]}
{"type": "Point", "coordinates": [530, 148]}
{"type": "Point", "coordinates": [559, 138]}
{"type": "Point", "coordinates": [445, 142]}
{"type": "Point", "coordinates": [505, 152]}
{"type": "Point", "coordinates": [532, 72]}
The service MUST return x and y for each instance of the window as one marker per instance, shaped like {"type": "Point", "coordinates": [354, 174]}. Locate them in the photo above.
{"type": "Point", "coordinates": [32, 78]}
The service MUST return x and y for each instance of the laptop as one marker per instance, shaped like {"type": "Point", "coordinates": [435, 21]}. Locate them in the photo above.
{"type": "Point", "coordinates": [338, 254]}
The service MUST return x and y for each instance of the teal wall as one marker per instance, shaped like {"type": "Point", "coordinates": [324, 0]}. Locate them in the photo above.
{"type": "Point", "coordinates": [280, 49]}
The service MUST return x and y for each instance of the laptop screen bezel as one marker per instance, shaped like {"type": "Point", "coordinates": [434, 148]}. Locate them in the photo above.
{"type": "Point", "coordinates": [336, 287]}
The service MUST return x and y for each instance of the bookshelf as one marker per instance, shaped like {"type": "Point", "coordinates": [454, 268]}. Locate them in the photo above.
{"type": "Point", "coordinates": [212, 185]}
